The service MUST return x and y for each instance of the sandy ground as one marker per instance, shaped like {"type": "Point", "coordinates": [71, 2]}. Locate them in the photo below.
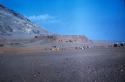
{"type": "Point", "coordinates": [21, 50]}
{"type": "Point", "coordinates": [90, 65]}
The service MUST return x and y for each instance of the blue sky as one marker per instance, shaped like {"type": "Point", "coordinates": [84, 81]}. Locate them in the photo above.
{"type": "Point", "coordinates": [97, 19]}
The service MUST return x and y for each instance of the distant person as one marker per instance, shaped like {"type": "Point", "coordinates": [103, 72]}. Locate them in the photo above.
{"type": "Point", "coordinates": [115, 45]}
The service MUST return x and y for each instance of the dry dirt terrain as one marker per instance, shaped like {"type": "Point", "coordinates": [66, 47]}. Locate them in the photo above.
{"type": "Point", "coordinates": [89, 65]}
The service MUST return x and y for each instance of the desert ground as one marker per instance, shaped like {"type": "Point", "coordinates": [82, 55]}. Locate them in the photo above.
{"type": "Point", "coordinates": [70, 65]}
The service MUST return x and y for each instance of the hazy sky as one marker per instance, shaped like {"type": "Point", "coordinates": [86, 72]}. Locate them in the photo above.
{"type": "Point", "coordinates": [97, 19]}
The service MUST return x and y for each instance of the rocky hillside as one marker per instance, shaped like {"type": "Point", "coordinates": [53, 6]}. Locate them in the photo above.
{"type": "Point", "coordinates": [14, 25]}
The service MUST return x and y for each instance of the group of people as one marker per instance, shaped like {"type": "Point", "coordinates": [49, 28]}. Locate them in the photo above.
{"type": "Point", "coordinates": [119, 45]}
